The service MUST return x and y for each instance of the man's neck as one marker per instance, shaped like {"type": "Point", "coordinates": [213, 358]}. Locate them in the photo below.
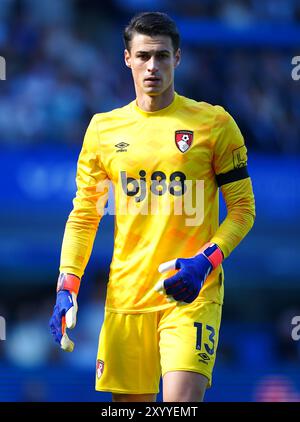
{"type": "Point", "coordinates": [156, 102]}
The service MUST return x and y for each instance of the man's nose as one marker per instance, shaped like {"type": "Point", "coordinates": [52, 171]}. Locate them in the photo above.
{"type": "Point", "coordinates": [152, 65]}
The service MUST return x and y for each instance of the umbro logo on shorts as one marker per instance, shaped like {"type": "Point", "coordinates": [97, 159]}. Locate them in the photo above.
{"type": "Point", "coordinates": [99, 368]}
{"type": "Point", "coordinates": [204, 357]}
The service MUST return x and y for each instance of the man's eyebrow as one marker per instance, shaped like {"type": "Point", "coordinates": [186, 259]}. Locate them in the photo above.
{"type": "Point", "coordinates": [152, 51]}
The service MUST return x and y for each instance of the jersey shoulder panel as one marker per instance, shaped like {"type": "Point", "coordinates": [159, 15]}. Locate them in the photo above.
{"type": "Point", "coordinates": [115, 117]}
{"type": "Point", "coordinates": [215, 113]}
{"type": "Point", "coordinates": [222, 117]}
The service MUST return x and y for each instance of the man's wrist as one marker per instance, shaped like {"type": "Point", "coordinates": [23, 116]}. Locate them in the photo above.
{"type": "Point", "coordinates": [68, 282]}
{"type": "Point", "coordinates": [213, 253]}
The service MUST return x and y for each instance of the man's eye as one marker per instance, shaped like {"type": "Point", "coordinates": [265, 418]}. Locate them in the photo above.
{"type": "Point", "coordinates": [162, 56]}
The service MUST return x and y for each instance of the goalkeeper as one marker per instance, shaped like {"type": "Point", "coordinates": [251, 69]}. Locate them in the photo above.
{"type": "Point", "coordinates": [167, 157]}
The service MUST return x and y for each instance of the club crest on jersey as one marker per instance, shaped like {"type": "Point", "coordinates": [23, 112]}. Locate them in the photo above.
{"type": "Point", "coordinates": [183, 139]}
{"type": "Point", "coordinates": [99, 368]}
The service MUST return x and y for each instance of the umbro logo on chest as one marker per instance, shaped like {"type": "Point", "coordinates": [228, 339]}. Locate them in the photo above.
{"type": "Point", "coordinates": [121, 147]}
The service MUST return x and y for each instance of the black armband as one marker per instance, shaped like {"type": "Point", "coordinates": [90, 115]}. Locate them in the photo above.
{"type": "Point", "coordinates": [232, 176]}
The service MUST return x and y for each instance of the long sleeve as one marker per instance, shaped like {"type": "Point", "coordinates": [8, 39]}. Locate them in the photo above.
{"type": "Point", "coordinates": [88, 205]}
{"type": "Point", "coordinates": [240, 217]}
{"type": "Point", "coordinates": [230, 165]}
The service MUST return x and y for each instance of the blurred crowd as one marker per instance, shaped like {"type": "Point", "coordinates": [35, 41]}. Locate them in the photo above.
{"type": "Point", "coordinates": [65, 63]}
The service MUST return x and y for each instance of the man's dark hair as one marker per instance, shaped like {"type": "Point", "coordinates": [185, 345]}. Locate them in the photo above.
{"type": "Point", "coordinates": [151, 24]}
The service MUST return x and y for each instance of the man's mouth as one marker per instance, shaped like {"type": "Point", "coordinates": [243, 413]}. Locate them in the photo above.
{"type": "Point", "coordinates": [152, 79]}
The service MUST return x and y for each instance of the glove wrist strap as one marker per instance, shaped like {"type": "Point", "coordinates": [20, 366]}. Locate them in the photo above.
{"type": "Point", "coordinates": [68, 282]}
{"type": "Point", "coordinates": [213, 253]}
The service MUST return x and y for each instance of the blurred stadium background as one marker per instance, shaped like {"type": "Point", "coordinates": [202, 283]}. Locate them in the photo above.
{"type": "Point", "coordinates": [64, 63]}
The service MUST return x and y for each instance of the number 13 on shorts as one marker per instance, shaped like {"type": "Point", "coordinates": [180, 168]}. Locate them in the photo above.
{"type": "Point", "coordinates": [206, 348]}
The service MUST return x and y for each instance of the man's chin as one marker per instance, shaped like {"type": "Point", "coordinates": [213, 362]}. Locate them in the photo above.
{"type": "Point", "coordinates": [152, 92]}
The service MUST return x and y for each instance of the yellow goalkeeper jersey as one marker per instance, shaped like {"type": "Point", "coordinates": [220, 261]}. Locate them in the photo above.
{"type": "Point", "coordinates": [165, 168]}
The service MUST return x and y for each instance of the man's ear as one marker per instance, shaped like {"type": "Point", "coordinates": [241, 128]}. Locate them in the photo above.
{"type": "Point", "coordinates": [127, 58]}
{"type": "Point", "coordinates": [177, 58]}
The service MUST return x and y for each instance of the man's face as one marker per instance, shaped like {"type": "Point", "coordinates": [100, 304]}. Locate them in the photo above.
{"type": "Point", "coordinates": [152, 61]}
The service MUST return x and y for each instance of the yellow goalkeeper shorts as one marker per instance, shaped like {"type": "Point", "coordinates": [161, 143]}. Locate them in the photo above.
{"type": "Point", "coordinates": [136, 349]}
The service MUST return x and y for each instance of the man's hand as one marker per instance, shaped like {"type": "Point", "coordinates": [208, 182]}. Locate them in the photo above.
{"type": "Point", "coordinates": [65, 310]}
{"type": "Point", "coordinates": [186, 284]}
